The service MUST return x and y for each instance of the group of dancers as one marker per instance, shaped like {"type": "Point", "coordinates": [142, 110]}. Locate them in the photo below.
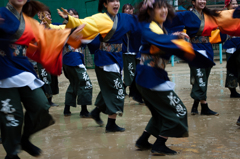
{"type": "Point", "coordinates": [140, 44]}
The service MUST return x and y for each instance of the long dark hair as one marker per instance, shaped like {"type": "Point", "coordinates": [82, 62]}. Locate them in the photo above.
{"type": "Point", "coordinates": [101, 6]}
{"type": "Point", "coordinates": [143, 13]}
{"type": "Point", "coordinates": [125, 6]}
{"type": "Point", "coordinates": [31, 8]}
{"type": "Point", "coordinates": [214, 12]}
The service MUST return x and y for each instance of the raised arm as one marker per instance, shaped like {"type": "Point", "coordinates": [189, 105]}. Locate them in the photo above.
{"type": "Point", "coordinates": [97, 24]}
{"type": "Point", "coordinates": [184, 20]}
{"type": "Point", "coordinates": [57, 26]}
{"type": "Point", "coordinates": [46, 44]}
{"type": "Point", "coordinates": [167, 45]}
{"type": "Point", "coordinates": [227, 24]}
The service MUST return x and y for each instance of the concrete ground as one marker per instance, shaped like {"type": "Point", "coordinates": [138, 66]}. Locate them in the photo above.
{"type": "Point", "coordinates": [210, 136]}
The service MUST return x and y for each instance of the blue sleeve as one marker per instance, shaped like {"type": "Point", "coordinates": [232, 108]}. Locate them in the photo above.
{"type": "Point", "coordinates": [9, 26]}
{"type": "Point", "coordinates": [232, 43]}
{"type": "Point", "coordinates": [183, 20]}
{"type": "Point", "coordinates": [165, 43]}
{"type": "Point", "coordinates": [162, 41]}
{"type": "Point", "coordinates": [134, 25]}
{"type": "Point", "coordinates": [94, 45]}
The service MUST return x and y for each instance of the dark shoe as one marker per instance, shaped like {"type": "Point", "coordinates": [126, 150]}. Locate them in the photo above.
{"type": "Point", "coordinates": [66, 111]}
{"type": "Point", "coordinates": [51, 103]}
{"type": "Point", "coordinates": [234, 93]}
{"type": "Point", "coordinates": [139, 100]}
{"type": "Point", "coordinates": [30, 148]}
{"type": "Point", "coordinates": [238, 121]}
{"type": "Point", "coordinates": [12, 157]}
{"type": "Point", "coordinates": [95, 114]}
{"type": "Point", "coordinates": [0, 140]}
{"type": "Point", "coordinates": [54, 105]}
{"type": "Point", "coordinates": [163, 151]}
{"type": "Point", "coordinates": [115, 129]}
{"type": "Point", "coordinates": [84, 112]}
{"type": "Point", "coordinates": [194, 110]}
{"type": "Point", "coordinates": [159, 148]}
{"type": "Point", "coordinates": [206, 111]}
{"type": "Point", "coordinates": [142, 142]}
{"type": "Point", "coordinates": [84, 115]}
{"type": "Point", "coordinates": [143, 146]}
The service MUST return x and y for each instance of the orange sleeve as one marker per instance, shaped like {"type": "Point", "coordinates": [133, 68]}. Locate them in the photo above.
{"type": "Point", "coordinates": [227, 24]}
{"type": "Point", "coordinates": [47, 45]}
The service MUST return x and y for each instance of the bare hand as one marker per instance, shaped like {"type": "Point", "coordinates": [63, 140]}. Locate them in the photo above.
{"type": "Point", "coordinates": [181, 35]}
{"type": "Point", "coordinates": [77, 33]}
{"type": "Point", "coordinates": [64, 14]}
{"type": "Point", "coordinates": [45, 23]}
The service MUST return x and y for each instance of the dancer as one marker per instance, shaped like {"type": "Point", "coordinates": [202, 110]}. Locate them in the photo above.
{"type": "Point", "coordinates": [80, 86]}
{"type": "Point", "coordinates": [169, 115]}
{"type": "Point", "coordinates": [131, 45]}
{"type": "Point", "coordinates": [199, 24]}
{"type": "Point", "coordinates": [18, 81]}
{"type": "Point", "coordinates": [231, 45]}
{"type": "Point", "coordinates": [199, 76]}
{"type": "Point", "coordinates": [112, 27]}
{"type": "Point", "coordinates": [129, 64]}
{"type": "Point", "coordinates": [50, 81]}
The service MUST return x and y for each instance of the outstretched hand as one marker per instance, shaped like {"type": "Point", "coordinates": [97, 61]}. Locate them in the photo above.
{"type": "Point", "coordinates": [64, 14]}
{"type": "Point", "coordinates": [76, 35]}
{"type": "Point", "coordinates": [181, 35]}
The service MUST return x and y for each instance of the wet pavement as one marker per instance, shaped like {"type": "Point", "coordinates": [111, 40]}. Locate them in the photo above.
{"type": "Point", "coordinates": [79, 138]}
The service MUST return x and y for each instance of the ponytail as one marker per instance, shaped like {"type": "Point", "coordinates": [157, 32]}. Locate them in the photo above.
{"type": "Point", "coordinates": [100, 5]}
{"type": "Point", "coordinates": [31, 8]}
{"type": "Point", "coordinates": [214, 12]}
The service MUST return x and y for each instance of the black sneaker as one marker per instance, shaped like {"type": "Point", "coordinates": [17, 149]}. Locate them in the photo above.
{"type": "Point", "coordinates": [206, 111]}
{"type": "Point", "coordinates": [234, 93]}
{"type": "Point", "coordinates": [194, 110]}
{"type": "Point", "coordinates": [238, 121]}
{"type": "Point", "coordinates": [84, 115]}
{"type": "Point", "coordinates": [54, 105]}
{"type": "Point", "coordinates": [66, 111]}
{"type": "Point", "coordinates": [12, 157]}
{"type": "Point", "coordinates": [0, 140]}
{"type": "Point", "coordinates": [159, 148]}
{"type": "Point", "coordinates": [162, 151]}
{"type": "Point", "coordinates": [143, 146]}
{"type": "Point", "coordinates": [209, 112]}
{"type": "Point", "coordinates": [30, 148]}
{"type": "Point", "coordinates": [96, 117]}
{"type": "Point", "coordinates": [115, 129]}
